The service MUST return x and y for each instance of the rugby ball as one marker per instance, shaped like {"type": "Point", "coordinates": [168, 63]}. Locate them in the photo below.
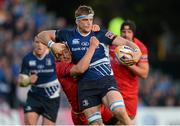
{"type": "Point", "coordinates": [123, 53]}
{"type": "Point", "coordinates": [24, 80]}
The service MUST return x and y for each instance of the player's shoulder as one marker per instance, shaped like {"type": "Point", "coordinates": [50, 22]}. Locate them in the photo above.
{"type": "Point", "coordinates": [28, 55]}
{"type": "Point", "coordinates": [139, 42]}
{"type": "Point", "coordinates": [141, 45]}
{"type": "Point", "coordinates": [103, 32]}
{"type": "Point", "coordinates": [65, 33]}
{"type": "Point", "coordinates": [66, 30]}
{"type": "Point", "coordinates": [50, 54]}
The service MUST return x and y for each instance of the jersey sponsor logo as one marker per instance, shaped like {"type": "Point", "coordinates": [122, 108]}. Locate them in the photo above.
{"type": "Point", "coordinates": [40, 66]}
{"type": "Point", "coordinates": [110, 35]}
{"type": "Point", "coordinates": [85, 43]}
{"type": "Point", "coordinates": [75, 41]}
{"type": "Point", "coordinates": [85, 102]}
{"type": "Point", "coordinates": [79, 49]}
{"type": "Point", "coordinates": [48, 62]}
{"type": "Point", "coordinates": [43, 71]}
{"type": "Point", "coordinates": [32, 63]}
{"type": "Point", "coordinates": [76, 49]}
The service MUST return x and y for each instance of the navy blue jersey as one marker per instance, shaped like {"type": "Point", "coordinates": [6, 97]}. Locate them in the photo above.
{"type": "Point", "coordinates": [47, 84]}
{"type": "Point", "coordinates": [78, 44]}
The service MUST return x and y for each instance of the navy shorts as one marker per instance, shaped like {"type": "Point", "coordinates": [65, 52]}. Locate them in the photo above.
{"type": "Point", "coordinates": [90, 93]}
{"type": "Point", "coordinates": [42, 105]}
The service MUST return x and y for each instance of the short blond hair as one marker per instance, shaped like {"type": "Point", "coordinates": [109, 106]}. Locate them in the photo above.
{"type": "Point", "coordinates": [83, 10]}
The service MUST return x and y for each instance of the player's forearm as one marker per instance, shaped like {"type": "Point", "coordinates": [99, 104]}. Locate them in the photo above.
{"type": "Point", "coordinates": [140, 70]}
{"type": "Point", "coordinates": [83, 64]}
{"type": "Point", "coordinates": [121, 41]}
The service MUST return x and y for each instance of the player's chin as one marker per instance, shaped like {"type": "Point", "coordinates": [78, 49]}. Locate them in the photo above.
{"type": "Point", "coordinates": [39, 52]}
{"type": "Point", "coordinates": [87, 29]}
{"type": "Point", "coordinates": [127, 38]}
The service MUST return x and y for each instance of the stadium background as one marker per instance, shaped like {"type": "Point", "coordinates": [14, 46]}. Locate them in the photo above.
{"type": "Point", "coordinates": [157, 25]}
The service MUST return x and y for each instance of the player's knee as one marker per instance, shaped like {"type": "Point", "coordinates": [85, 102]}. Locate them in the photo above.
{"type": "Point", "coordinates": [118, 108]}
{"type": "Point", "coordinates": [119, 112]}
{"type": "Point", "coordinates": [29, 122]}
{"type": "Point", "coordinates": [95, 118]}
{"type": "Point", "coordinates": [30, 118]}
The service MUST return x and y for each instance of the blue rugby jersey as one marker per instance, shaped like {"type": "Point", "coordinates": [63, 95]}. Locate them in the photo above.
{"type": "Point", "coordinates": [47, 84]}
{"type": "Point", "coordinates": [78, 44]}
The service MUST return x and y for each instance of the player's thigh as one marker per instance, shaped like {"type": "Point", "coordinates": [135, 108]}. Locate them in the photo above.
{"type": "Point", "coordinates": [89, 93]}
{"type": "Point", "coordinates": [31, 118]}
{"type": "Point", "coordinates": [46, 121]}
{"type": "Point", "coordinates": [50, 109]}
{"type": "Point", "coordinates": [112, 96]}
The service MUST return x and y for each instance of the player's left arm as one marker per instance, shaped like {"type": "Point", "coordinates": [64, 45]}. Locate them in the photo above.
{"type": "Point", "coordinates": [140, 69]}
{"type": "Point", "coordinates": [113, 39]}
{"type": "Point", "coordinates": [118, 40]}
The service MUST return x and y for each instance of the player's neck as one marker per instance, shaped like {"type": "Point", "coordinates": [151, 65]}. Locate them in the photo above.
{"type": "Point", "coordinates": [83, 33]}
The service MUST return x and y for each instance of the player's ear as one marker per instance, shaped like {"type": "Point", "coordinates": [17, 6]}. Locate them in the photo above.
{"type": "Point", "coordinates": [76, 22]}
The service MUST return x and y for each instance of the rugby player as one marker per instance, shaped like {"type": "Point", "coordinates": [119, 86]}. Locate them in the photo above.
{"type": "Point", "coordinates": [97, 85]}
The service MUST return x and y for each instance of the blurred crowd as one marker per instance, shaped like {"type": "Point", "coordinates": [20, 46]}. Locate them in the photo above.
{"type": "Point", "coordinates": [21, 20]}
{"type": "Point", "coordinates": [159, 89]}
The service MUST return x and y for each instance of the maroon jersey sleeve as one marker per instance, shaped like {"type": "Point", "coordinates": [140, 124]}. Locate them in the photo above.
{"type": "Point", "coordinates": [144, 57]}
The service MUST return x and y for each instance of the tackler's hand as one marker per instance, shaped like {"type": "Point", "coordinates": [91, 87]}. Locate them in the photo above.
{"type": "Point", "coordinates": [95, 27]}
{"type": "Point", "coordinates": [57, 49]}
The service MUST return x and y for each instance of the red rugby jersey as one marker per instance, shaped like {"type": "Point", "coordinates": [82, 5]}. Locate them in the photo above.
{"type": "Point", "coordinates": [127, 81]}
{"type": "Point", "coordinates": [68, 83]}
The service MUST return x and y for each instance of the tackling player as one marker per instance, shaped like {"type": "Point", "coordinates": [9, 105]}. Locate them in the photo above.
{"type": "Point", "coordinates": [97, 84]}
{"type": "Point", "coordinates": [127, 76]}
{"type": "Point", "coordinates": [38, 70]}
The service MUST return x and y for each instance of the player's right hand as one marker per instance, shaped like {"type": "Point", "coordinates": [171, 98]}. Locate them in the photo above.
{"type": "Point", "coordinates": [136, 54]}
{"type": "Point", "coordinates": [57, 48]}
{"type": "Point", "coordinates": [33, 78]}
{"type": "Point", "coordinates": [127, 62]}
{"type": "Point", "coordinates": [94, 42]}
